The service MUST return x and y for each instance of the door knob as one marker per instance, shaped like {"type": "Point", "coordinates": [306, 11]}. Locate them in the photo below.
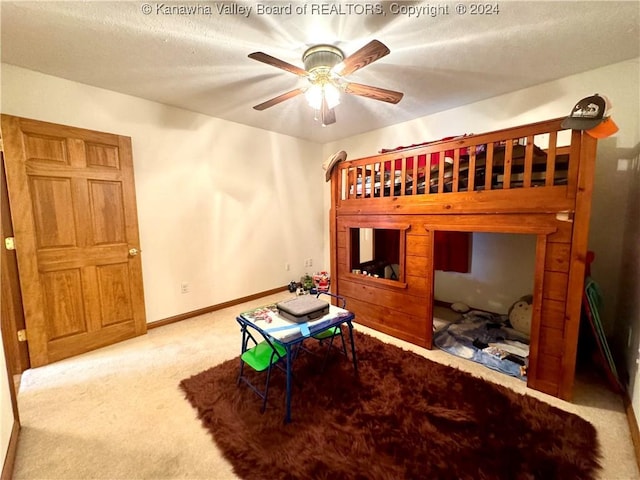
{"type": "Point", "coordinates": [133, 252]}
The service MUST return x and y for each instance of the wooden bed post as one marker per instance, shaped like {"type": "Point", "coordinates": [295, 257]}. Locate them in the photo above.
{"type": "Point", "coordinates": [579, 246]}
{"type": "Point", "coordinates": [333, 241]}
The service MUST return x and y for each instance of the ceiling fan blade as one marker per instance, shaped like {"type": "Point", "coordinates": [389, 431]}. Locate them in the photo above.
{"type": "Point", "coordinates": [375, 93]}
{"type": "Point", "coordinates": [279, 98]}
{"type": "Point", "coordinates": [275, 62]}
{"type": "Point", "coordinates": [372, 51]}
{"type": "Point", "coordinates": [328, 115]}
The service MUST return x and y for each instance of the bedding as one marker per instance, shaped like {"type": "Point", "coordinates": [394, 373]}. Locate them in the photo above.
{"type": "Point", "coordinates": [487, 339]}
{"type": "Point", "coordinates": [393, 178]}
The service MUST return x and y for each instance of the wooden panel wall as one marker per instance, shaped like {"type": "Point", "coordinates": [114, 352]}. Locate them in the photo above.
{"type": "Point", "coordinates": [404, 309]}
{"type": "Point", "coordinates": [547, 341]}
{"type": "Point", "coordinates": [398, 308]}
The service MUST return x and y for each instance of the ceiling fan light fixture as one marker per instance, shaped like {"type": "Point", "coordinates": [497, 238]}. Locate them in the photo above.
{"type": "Point", "coordinates": [322, 57]}
{"type": "Point", "coordinates": [331, 94]}
{"type": "Point", "coordinates": [314, 96]}
{"type": "Point", "coordinates": [325, 70]}
{"type": "Point", "coordinates": [316, 92]}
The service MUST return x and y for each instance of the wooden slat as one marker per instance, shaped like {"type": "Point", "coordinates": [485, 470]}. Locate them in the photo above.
{"type": "Point", "coordinates": [555, 285]}
{"type": "Point", "coordinates": [528, 162]}
{"type": "Point", "coordinates": [525, 200]}
{"type": "Point", "coordinates": [372, 179]}
{"type": "Point", "coordinates": [456, 170]}
{"type": "Point", "coordinates": [417, 245]}
{"type": "Point", "coordinates": [441, 173]}
{"type": "Point", "coordinates": [415, 176]}
{"type": "Point", "coordinates": [551, 159]}
{"type": "Point", "coordinates": [341, 261]}
{"type": "Point", "coordinates": [416, 288]}
{"type": "Point", "coordinates": [419, 286]}
{"type": "Point", "coordinates": [403, 175]}
{"type": "Point", "coordinates": [427, 174]}
{"type": "Point", "coordinates": [488, 169]}
{"type": "Point", "coordinates": [552, 314]}
{"type": "Point", "coordinates": [421, 225]}
{"type": "Point", "coordinates": [536, 321]}
{"type": "Point", "coordinates": [558, 257]}
{"type": "Point", "coordinates": [575, 159]}
{"type": "Point", "coordinates": [394, 299]}
{"type": "Point", "coordinates": [416, 265]}
{"type": "Point", "coordinates": [508, 157]}
{"type": "Point", "coordinates": [549, 377]}
{"type": "Point", "coordinates": [350, 183]}
{"type": "Point", "coordinates": [471, 181]}
{"type": "Point", "coordinates": [416, 330]}
{"type": "Point", "coordinates": [551, 342]}
{"type": "Point", "coordinates": [382, 179]}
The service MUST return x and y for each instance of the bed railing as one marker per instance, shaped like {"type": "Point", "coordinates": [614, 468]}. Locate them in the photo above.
{"type": "Point", "coordinates": [538, 156]}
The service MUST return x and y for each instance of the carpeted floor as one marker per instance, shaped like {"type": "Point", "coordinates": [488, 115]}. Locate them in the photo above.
{"type": "Point", "coordinates": [119, 412]}
{"type": "Point", "coordinates": [402, 416]}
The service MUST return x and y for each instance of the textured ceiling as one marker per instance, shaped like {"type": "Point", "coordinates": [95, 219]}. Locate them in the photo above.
{"type": "Point", "coordinates": [199, 61]}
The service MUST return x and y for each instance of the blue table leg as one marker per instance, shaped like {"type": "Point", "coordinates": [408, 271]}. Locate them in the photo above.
{"type": "Point", "coordinates": [353, 348]}
{"type": "Point", "coordinates": [287, 415]}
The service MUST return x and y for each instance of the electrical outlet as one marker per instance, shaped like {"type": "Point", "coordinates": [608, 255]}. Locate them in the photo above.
{"type": "Point", "coordinates": [287, 267]}
{"type": "Point", "coordinates": [184, 287]}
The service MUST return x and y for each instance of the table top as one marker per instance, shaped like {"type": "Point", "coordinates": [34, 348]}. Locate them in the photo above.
{"type": "Point", "coordinates": [267, 319]}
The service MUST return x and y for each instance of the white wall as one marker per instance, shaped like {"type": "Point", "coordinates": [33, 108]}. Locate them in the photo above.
{"type": "Point", "coordinates": [492, 285]}
{"type": "Point", "coordinates": [627, 324]}
{"type": "Point", "coordinates": [221, 206]}
{"type": "Point", "coordinates": [620, 82]}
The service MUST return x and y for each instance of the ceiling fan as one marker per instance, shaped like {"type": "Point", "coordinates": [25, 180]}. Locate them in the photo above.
{"type": "Point", "coordinates": [325, 67]}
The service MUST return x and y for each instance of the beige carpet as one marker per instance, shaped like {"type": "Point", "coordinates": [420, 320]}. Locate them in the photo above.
{"type": "Point", "coordinates": [118, 413]}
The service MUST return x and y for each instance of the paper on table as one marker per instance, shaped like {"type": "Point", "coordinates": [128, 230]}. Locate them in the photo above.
{"type": "Point", "coordinates": [284, 330]}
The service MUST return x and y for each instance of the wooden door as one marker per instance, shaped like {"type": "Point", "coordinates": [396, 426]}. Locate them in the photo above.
{"type": "Point", "coordinates": [74, 214]}
{"type": "Point", "coordinates": [11, 302]}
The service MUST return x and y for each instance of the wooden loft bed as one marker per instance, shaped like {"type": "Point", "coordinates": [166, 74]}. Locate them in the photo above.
{"type": "Point", "coordinates": [534, 179]}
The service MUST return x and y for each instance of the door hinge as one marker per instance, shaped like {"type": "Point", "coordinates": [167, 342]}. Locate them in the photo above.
{"type": "Point", "coordinates": [10, 243]}
{"type": "Point", "coordinates": [1, 145]}
{"type": "Point", "coordinates": [22, 335]}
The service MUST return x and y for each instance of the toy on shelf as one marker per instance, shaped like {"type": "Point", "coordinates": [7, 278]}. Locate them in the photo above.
{"type": "Point", "coordinates": [321, 281]}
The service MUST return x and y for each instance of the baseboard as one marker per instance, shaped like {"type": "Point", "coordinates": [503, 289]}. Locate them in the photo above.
{"type": "Point", "coordinates": [633, 426]}
{"type": "Point", "coordinates": [213, 308]}
{"type": "Point", "coordinates": [10, 459]}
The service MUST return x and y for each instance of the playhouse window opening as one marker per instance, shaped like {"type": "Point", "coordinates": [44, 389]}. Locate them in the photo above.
{"type": "Point", "coordinates": [375, 252]}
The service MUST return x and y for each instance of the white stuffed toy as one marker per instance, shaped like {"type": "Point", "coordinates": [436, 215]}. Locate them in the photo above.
{"type": "Point", "coordinates": [520, 314]}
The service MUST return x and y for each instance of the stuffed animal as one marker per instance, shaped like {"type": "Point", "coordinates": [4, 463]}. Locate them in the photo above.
{"type": "Point", "coordinates": [520, 314]}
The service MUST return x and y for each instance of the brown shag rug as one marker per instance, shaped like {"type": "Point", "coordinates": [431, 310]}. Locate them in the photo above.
{"type": "Point", "coordinates": [403, 417]}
